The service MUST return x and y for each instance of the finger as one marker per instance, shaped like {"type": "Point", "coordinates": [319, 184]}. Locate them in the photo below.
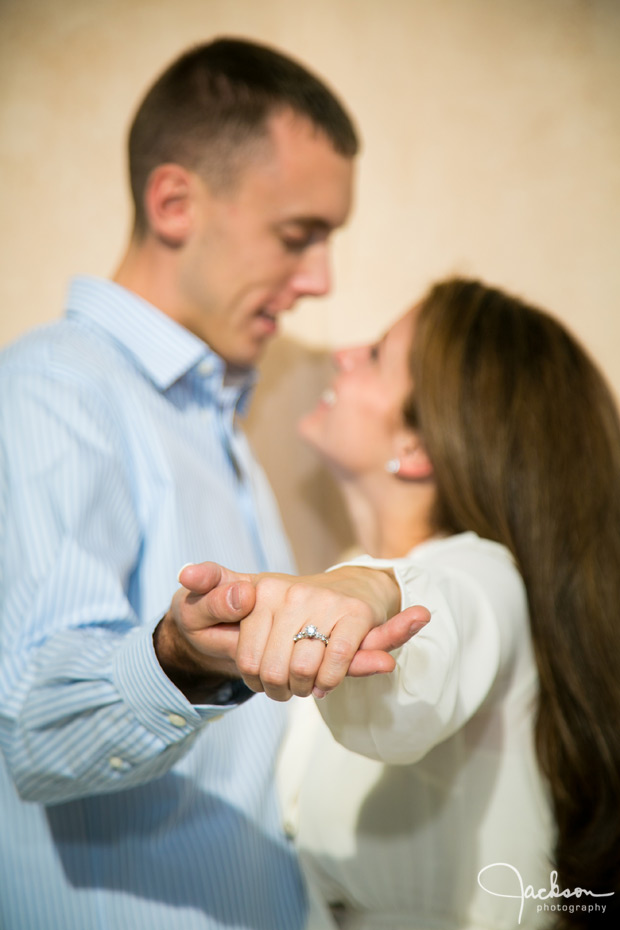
{"type": "Point", "coordinates": [343, 645]}
{"type": "Point", "coordinates": [227, 603]}
{"type": "Point", "coordinates": [308, 654]}
{"type": "Point", "coordinates": [398, 630]}
{"type": "Point", "coordinates": [367, 662]}
{"type": "Point", "coordinates": [373, 656]}
{"type": "Point", "coordinates": [224, 604]}
{"type": "Point", "coordinates": [219, 641]}
{"type": "Point", "coordinates": [253, 636]}
{"type": "Point", "coordinates": [202, 577]}
{"type": "Point", "coordinates": [275, 673]}
{"type": "Point", "coordinates": [267, 653]}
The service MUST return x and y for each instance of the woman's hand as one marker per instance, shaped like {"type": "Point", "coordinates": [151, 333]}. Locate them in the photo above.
{"type": "Point", "coordinates": [349, 606]}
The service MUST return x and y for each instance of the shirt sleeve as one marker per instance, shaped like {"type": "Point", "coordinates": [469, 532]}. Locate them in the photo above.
{"type": "Point", "coordinates": [442, 677]}
{"type": "Point", "coordinates": [85, 707]}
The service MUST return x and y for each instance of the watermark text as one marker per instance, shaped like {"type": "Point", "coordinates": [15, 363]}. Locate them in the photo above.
{"type": "Point", "coordinates": [524, 892]}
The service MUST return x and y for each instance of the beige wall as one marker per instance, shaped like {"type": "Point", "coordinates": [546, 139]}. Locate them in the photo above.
{"type": "Point", "coordinates": [492, 147]}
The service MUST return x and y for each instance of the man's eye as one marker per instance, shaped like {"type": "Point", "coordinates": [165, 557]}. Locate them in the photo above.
{"type": "Point", "coordinates": [374, 352]}
{"type": "Point", "coordinates": [295, 245]}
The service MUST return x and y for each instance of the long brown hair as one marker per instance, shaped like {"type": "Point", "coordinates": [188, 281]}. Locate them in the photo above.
{"type": "Point", "coordinates": [524, 437]}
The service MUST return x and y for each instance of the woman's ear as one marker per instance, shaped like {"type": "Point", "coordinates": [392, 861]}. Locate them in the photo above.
{"type": "Point", "coordinates": [413, 461]}
{"type": "Point", "coordinates": [168, 202]}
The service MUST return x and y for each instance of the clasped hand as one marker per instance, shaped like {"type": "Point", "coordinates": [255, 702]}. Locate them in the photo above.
{"type": "Point", "coordinates": [248, 622]}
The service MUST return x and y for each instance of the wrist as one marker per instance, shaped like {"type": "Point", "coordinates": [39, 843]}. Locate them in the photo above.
{"type": "Point", "coordinates": [386, 589]}
{"type": "Point", "coordinates": [377, 586]}
{"type": "Point", "coordinates": [198, 678]}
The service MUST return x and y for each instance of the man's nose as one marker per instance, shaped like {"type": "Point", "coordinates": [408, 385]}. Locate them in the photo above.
{"type": "Point", "coordinates": [313, 276]}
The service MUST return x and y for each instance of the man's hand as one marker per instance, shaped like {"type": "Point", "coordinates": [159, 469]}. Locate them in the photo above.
{"type": "Point", "coordinates": [350, 605]}
{"type": "Point", "coordinates": [196, 641]}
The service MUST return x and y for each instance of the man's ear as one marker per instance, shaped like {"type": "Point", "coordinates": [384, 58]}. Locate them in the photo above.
{"type": "Point", "coordinates": [168, 203]}
{"type": "Point", "coordinates": [414, 463]}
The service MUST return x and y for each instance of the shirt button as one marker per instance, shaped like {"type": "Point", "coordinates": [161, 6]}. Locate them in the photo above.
{"type": "Point", "coordinates": [116, 762]}
{"type": "Point", "coordinates": [205, 368]}
{"type": "Point", "coordinates": [177, 720]}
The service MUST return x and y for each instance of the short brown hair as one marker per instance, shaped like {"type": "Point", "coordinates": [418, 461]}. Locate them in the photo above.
{"type": "Point", "coordinates": [210, 104]}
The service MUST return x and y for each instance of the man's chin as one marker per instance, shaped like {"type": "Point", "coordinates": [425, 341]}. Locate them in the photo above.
{"type": "Point", "coordinates": [245, 361]}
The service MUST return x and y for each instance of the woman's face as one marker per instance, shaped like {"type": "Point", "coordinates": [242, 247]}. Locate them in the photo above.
{"type": "Point", "coordinates": [355, 424]}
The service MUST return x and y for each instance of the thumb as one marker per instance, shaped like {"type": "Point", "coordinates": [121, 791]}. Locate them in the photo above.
{"type": "Point", "coordinates": [224, 595]}
{"type": "Point", "coordinates": [201, 577]}
{"type": "Point", "coordinates": [398, 630]}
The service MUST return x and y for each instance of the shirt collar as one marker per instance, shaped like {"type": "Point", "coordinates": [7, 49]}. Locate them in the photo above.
{"type": "Point", "coordinates": [160, 347]}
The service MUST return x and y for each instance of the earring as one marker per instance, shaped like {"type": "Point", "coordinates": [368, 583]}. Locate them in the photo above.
{"type": "Point", "coordinates": [393, 466]}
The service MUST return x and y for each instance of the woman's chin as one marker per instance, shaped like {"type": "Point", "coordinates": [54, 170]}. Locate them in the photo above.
{"type": "Point", "coordinates": [308, 429]}
{"type": "Point", "coordinates": [308, 432]}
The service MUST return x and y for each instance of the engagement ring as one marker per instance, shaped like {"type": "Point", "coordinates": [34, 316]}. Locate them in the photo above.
{"type": "Point", "coordinates": [311, 632]}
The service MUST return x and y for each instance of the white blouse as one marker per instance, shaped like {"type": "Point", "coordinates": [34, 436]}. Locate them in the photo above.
{"type": "Point", "coordinates": [425, 809]}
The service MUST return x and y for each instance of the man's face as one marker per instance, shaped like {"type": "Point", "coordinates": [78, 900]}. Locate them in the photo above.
{"type": "Point", "coordinates": [254, 251]}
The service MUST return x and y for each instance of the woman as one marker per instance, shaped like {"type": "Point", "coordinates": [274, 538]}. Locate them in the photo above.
{"type": "Point", "coordinates": [479, 453]}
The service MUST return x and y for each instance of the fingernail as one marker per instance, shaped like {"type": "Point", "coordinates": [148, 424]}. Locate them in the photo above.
{"type": "Point", "coordinates": [183, 567]}
{"type": "Point", "coordinates": [318, 694]}
{"type": "Point", "coordinates": [233, 597]}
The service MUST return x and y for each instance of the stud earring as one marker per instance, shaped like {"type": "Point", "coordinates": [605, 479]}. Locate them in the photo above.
{"type": "Point", "coordinates": [393, 466]}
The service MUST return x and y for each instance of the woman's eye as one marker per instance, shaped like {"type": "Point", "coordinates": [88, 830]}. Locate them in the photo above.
{"type": "Point", "coordinates": [374, 352]}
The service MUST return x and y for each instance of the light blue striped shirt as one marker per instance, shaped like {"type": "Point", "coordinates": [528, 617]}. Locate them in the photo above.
{"type": "Point", "coordinates": [124, 807]}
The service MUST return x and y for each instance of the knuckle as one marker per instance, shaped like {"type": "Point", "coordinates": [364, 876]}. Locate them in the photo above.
{"type": "Point", "coordinates": [329, 679]}
{"type": "Point", "coordinates": [341, 649]}
{"type": "Point", "coordinates": [268, 588]}
{"type": "Point", "coordinates": [185, 613]}
{"type": "Point", "coordinates": [214, 604]}
{"type": "Point", "coordinates": [281, 695]}
{"type": "Point", "coordinates": [298, 593]}
{"type": "Point", "coordinates": [364, 612]}
{"type": "Point", "coordinates": [248, 664]}
{"type": "Point", "coordinates": [271, 677]}
{"type": "Point", "coordinates": [254, 684]}
{"type": "Point", "coordinates": [302, 689]}
{"type": "Point", "coordinates": [303, 669]}
{"type": "Point", "coordinates": [322, 600]}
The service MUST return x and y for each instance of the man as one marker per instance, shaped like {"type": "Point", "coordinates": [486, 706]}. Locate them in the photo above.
{"type": "Point", "coordinates": [137, 779]}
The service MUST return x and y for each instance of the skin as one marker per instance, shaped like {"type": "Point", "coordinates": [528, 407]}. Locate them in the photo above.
{"type": "Point", "coordinates": [225, 265]}
{"type": "Point", "coordinates": [355, 432]}
{"type": "Point", "coordinates": [357, 427]}
{"type": "Point", "coordinates": [352, 603]}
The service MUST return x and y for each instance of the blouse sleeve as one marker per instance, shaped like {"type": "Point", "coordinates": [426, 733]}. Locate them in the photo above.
{"type": "Point", "coordinates": [446, 672]}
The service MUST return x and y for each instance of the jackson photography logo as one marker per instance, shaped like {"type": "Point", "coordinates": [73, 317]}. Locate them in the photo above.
{"type": "Point", "coordinates": [553, 893]}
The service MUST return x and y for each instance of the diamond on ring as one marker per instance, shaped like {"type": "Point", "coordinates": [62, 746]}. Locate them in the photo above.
{"type": "Point", "coordinates": [311, 632]}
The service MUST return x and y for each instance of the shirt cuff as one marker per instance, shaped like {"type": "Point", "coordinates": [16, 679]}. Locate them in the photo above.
{"type": "Point", "coordinates": [156, 702]}
{"type": "Point", "coordinates": [232, 692]}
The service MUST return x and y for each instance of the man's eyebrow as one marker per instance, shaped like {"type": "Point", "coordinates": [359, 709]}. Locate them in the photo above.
{"type": "Point", "coordinates": [308, 223]}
